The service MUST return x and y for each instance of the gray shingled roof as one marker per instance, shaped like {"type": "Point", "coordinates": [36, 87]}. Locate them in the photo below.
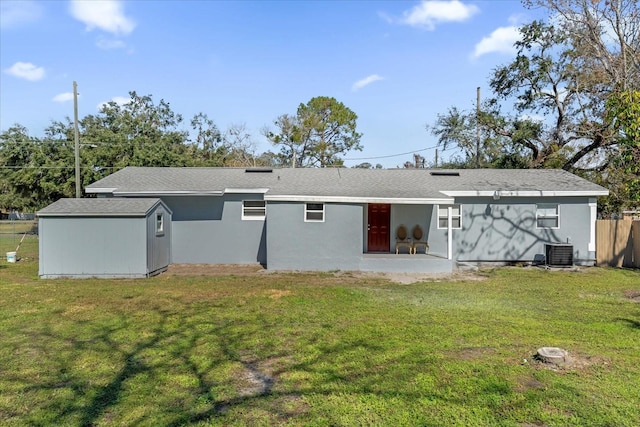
{"type": "Point", "coordinates": [100, 207]}
{"type": "Point", "coordinates": [342, 182]}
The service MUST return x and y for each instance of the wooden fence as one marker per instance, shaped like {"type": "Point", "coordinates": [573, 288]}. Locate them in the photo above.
{"type": "Point", "coordinates": [618, 243]}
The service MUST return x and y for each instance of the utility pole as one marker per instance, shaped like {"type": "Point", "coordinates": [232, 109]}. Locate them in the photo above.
{"type": "Point", "coordinates": [77, 139]}
{"type": "Point", "coordinates": [478, 129]}
{"type": "Point", "coordinates": [436, 157]}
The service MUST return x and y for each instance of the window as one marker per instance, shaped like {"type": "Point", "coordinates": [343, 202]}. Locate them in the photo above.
{"type": "Point", "coordinates": [314, 212]}
{"type": "Point", "coordinates": [159, 223]}
{"type": "Point", "coordinates": [547, 215]}
{"type": "Point", "coordinates": [456, 216]}
{"type": "Point", "coordinates": [254, 209]}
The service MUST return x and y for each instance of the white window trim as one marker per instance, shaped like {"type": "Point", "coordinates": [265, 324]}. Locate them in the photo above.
{"type": "Point", "coordinates": [447, 217]}
{"type": "Point", "coordinates": [159, 230]}
{"type": "Point", "coordinates": [306, 211]}
{"type": "Point", "coordinates": [547, 216]}
{"type": "Point", "coordinates": [557, 215]}
{"type": "Point", "coordinates": [254, 208]}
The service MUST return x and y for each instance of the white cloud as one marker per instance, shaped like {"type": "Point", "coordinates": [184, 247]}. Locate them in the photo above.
{"type": "Point", "coordinates": [501, 40]}
{"type": "Point", "coordinates": [107, 44]}
{"type": "Point", "coordinates": [26, 70]}
{"type": "Point", "coordinates": [106, 15]}
{"type": "Point", "coordinates": [16, 13]}
{"type": "Point", "coordinates": [429, 13]}
{"type": "Point", "coordinates": [63, 97]}
{"type": "Point", "coordinates": [119, 100]}
{"type": "Point", "coordinates": [536, 118]}
{"type": "Point", "coordinates": [365, 82]}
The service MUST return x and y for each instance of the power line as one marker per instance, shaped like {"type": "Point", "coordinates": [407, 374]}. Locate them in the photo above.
{"type": "Point", "coordinates": [146, 143]}
{"type": "Point", "coordinates": [399, 154]}
{"type": "Point", "coordinates": [391, 155]}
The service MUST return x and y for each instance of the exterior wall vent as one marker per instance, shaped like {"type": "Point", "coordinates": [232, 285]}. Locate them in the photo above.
{"type": "Point", "coordinates": [558, 255]}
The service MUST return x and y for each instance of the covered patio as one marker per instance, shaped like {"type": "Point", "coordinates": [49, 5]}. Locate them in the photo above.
{"type": "Point", "coordinates": [417, 233]}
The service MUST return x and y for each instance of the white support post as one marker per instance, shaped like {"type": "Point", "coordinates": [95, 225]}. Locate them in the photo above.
{"type": "Point", "coordinates": [449, 232]}
{"type": "Point", "coordinates": [593, 216]}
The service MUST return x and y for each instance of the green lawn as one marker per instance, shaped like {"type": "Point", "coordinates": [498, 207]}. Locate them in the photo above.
{"type": "Point", "coordinates": [319, 349]}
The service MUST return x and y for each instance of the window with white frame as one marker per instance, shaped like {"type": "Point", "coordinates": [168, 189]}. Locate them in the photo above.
{"type": "Point", "coordinates": [443, 216]}
{"type": "Point", "coordinates": [547, 215]}
{"type": "Point", "coordinates": [159, 222]}
{"type": "Point", "coordinates": [314, 212]}
{"type": "Point", "coordinates": [254, 209]}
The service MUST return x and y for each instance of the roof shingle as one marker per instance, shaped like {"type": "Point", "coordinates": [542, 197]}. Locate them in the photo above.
{"type": "Point", "coordinates": [115, 206]}
{"type": "Point", "coordinates": [341, 182]}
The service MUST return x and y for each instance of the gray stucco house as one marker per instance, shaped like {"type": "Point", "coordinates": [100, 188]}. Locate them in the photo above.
{"type": "Point", "coordinates": [347, 219]}
{"type": "Point", "coordinates": [110, 238]}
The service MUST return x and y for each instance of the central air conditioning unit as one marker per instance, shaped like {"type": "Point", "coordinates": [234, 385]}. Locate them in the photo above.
{"type": "Point", "coordinates": [558, 255]}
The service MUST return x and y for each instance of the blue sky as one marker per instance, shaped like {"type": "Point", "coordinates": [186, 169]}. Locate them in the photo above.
{"type": "Point", "coordinates": [396, 64]}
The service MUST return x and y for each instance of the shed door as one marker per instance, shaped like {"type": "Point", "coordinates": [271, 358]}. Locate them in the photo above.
{"type": "Point", "coordinates": [378, 228]}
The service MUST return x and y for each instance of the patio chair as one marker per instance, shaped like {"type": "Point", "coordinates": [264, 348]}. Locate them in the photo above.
{"type": "Point", "coordinates": [402, 239]}
{"type": "Point", "coordinates": [417, 240]}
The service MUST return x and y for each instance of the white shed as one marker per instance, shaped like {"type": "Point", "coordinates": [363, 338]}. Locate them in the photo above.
{"type": "Point", "coordinates": [104, 237]}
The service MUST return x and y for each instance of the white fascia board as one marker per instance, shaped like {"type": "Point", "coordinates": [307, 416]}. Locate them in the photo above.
{"type": "Point", "coordinates": [94, 214]}
{"type": "Point", "coordinates": [348, 199]}
{"type": "Point", "coordinates": [245, 190]}
{"type": "Point", "coordinates": [167, 193]}
{"type": "Point", "coordinates": [526, 193]}
{"type": "Point", "coordinates": [99, 190]}
{"type": "Point", "coordinates": [160, 203]}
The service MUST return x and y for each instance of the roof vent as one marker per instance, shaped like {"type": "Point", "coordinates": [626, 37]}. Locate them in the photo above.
{"type": "Point", "coordinates": [444, 173]}
{"type": "Point", "coordinates": [259, 170]}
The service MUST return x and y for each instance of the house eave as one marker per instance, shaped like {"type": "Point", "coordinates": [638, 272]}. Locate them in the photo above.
{"type": "Point", "coordinates": [94, 214]}
{"type": "Point", "coordinates": [245, 190]}
{"type": "Point", "coordinates": [352, 199]}
{"type": "Point", "coordinates": [526, 193]}
{"type": "Point", "coordinates": [167, 193]}
{"type": "Point", "coordinates": [90, 190]}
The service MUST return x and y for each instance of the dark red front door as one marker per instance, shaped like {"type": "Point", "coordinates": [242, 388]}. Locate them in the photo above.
{"type": "Point", "coordinates": [378, 234]}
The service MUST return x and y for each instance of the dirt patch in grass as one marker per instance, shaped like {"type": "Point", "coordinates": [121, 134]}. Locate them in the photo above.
{"type": "Point", "coordinates": [255, 381]}
{"type": "Point", "coordinates": [633, 295]}
{"type": "Point", "coordinates": [409, 278]}
{"type": "Point", "coordinates": [529, 383]}
{"type": "Point", "coordinates": [259, 377]}
{"type": "Point", "coordinates": [214, 270]}
{"type": "Point", "coordinates": [573, 362]}
{"type": "Point", "coordinates": [278, 293]}
{"type": "Point", "coordinates": [472, 353]}
{"type": "Point", "coordinates": [257, 269]}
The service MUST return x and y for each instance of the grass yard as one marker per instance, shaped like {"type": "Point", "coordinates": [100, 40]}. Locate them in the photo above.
{"type": "Point", "coordinates": [319, 349]}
